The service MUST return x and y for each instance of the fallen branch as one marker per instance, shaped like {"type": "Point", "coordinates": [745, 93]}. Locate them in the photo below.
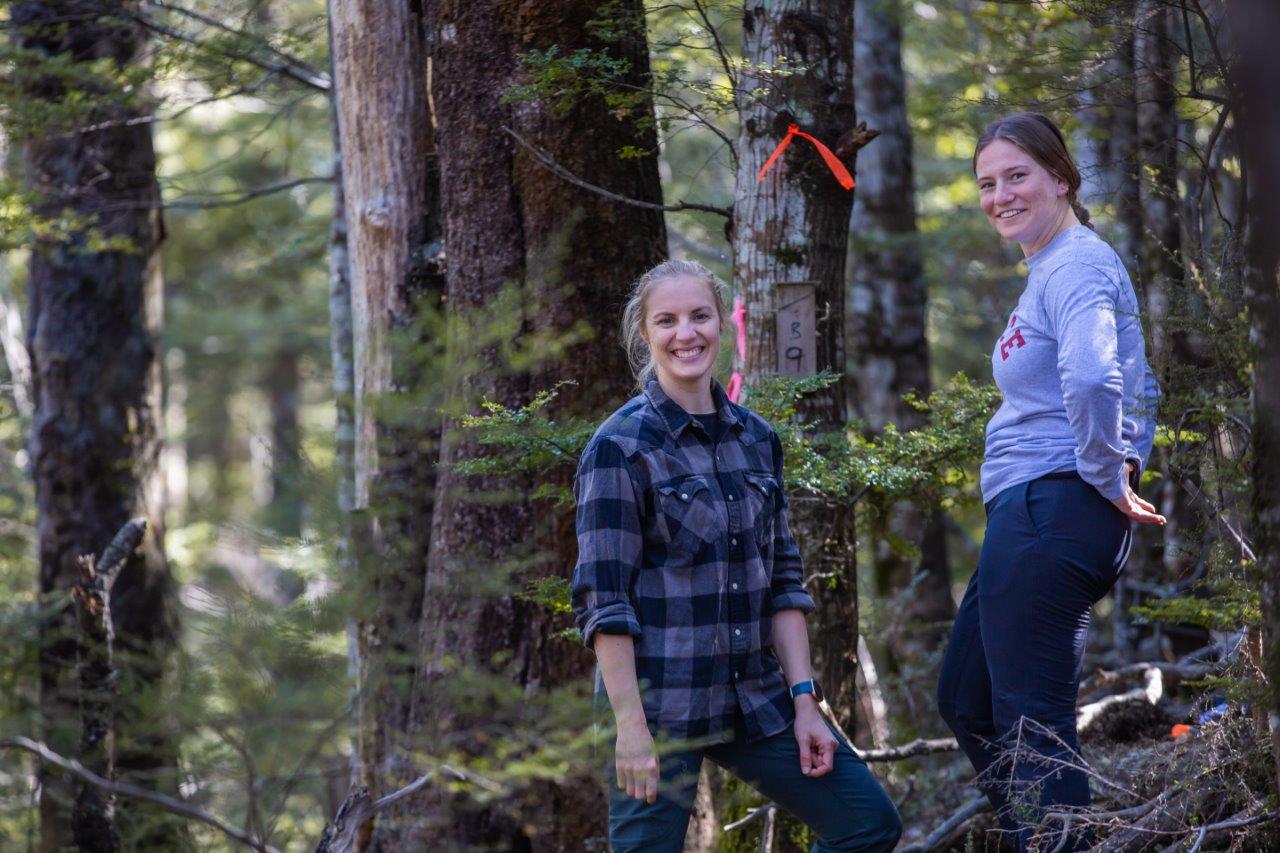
{"type": "Point", "coordinates": [1208, 833]}
{"type": "Point", "coordinates": [919, 746]}
{"type": "Point", "coordinates": [950, 828]}
{"type": "Point", "coordinates": [1151, 691]}
{"type": "Point", "coordinates": [1181, 671]}
{"type": "Point", "coordinates": [124, 789]}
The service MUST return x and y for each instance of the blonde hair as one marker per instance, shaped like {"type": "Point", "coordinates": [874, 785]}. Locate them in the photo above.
{"type": "Point", "coordinates": [637, 348]}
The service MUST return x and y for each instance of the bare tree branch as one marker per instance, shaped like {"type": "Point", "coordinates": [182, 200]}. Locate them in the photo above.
{"type": "Point", "coordinates": [340, 834]}
{"type": "Point", "coordinates": [546, 160]}
{"type": "Point", "coordinates": [306, 76]}
{"type": "Point", "coordinates": [287, 59]}
{"type": "Point", "coordinates": [232, 200]}
{"type": "Point", "coordinates": [919, 746]}
{"type": "Point", "coordinates": [939, 838]}
{"type": "Point", "coordinates": [124, 789]}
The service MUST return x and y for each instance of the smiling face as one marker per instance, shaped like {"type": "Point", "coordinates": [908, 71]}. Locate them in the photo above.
{"type": "Point", "coordinates": [1023, 200]}
{"type": "Point", "coordinates": [682, 328]}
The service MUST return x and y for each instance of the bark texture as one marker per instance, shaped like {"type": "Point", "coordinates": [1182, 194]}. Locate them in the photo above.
{"type": "Point", "coordinates": [1171, 304]}
{"type": "Point", "coordinates": [386, 138]}
{"type": "Point", "coordinates": [794, 225]}
{"type": "Point", "coordinates": [1258, 63]}
{"type": "Point", "coordinates": [567, 256]}
{"type": "Point", "coordinates": [888, 349]}
{"type": "Point", "coordinates": [95, 315]}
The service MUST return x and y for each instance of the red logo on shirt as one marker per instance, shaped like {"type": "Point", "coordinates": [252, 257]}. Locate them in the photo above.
{"type": "Point", "coordinates": [1014, 340]}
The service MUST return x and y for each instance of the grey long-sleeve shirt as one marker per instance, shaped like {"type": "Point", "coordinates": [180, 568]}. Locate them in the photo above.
{"type": "Point", "coordinates": [1071, 364]}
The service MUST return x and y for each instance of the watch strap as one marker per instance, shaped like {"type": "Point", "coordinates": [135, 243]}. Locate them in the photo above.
{"type": "Point", "coordinates": [803, 687]}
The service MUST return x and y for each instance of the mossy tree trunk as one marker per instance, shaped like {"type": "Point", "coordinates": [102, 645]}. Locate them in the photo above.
{"type": "Point", "coordinates": [794, 227]}
{"type": "Point", "coordinates": [530, 257]}
{"type": "Point", "coordinates": [95, 309]}
{"type": "Point", "coordinates": [387, 441]}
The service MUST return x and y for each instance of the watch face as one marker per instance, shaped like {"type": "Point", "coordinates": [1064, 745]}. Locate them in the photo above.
{"type": "Point", "coordinates": [817, 691]}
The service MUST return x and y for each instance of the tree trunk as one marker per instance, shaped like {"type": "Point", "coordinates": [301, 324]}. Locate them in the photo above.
{"type": "Point", "coordinates": [1122, 157]}
{"type": "Point", "coordinates": [565, 255]}
{"type": "Point", "coordinates": [95, 315]}
{"type": "Point", "coordinates": [282, 381]}
{"type": "Point", "coordinates": [16, 359]}
{"type": "Point", "coordinates": [1254, 23]}
{"type": "Point", "coordinates": [793, 227]}
{"type": "Point", "coordinates": [1169, 302]}
{"type": "Point", "coordinates": [386, 141]}
{"type": "Point", "coordinates": [343, 366]}
{"type": "Point", "coordinates": [889, 353]}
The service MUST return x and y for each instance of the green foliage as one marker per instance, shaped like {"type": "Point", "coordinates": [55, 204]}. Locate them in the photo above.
{"type": "Point", "coordinates": [525, 440]}
{"type": "Point", "coordinates": [1228, 603]}
{"type": "Point", "coordinates": [926, 464]}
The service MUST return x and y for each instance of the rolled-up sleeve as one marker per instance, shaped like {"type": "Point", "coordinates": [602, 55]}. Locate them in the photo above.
{"type": "Point", "coordinates": [610, 543]}
{"type": "Point", "coordinates": [787, 586]}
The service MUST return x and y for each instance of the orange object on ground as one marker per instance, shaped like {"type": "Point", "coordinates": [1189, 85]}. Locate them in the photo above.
{"type": "Point", "coordinates": [1179, 729]}
{"type": "Point", "coordinates": [833, 163]}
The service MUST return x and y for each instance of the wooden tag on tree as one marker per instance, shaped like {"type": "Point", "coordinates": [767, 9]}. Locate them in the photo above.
{"type": "Point", "coordinates": [797, 332]}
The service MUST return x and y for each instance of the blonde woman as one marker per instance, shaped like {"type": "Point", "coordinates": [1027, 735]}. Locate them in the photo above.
{"type": "Point", "coordinates": [688, 587]}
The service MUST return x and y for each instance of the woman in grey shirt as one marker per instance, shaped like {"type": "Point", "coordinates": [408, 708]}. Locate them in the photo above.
{"type": "Point", "coordinates": [1074, 429]}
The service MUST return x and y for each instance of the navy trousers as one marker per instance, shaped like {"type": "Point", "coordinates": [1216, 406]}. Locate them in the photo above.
{"type": "Point", "coordinates": [1011, 673]}
{"type": "Point", "coordinates": [846, 808]}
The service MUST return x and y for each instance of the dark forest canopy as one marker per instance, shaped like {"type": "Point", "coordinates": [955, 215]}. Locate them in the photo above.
{"type": "Point", "coordinates": [318, 304]}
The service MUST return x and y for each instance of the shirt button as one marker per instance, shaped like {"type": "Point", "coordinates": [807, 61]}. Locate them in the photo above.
{"type": "Point", "coordinates": [730, 497]}
{"type": "Point", "coordinates": [733, 541]}
{"type": "Point", "coordinates": [684, 496]}
{"type": "Point", "coordinates": [737, 632]}
{"type": "Point", "coordinates": [735, 673]}
{"type": "Point", "coordinates": [734, 584]}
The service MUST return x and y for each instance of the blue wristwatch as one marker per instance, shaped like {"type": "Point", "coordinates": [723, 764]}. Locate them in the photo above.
{"type": "Point", "coordinates": [810, 686]}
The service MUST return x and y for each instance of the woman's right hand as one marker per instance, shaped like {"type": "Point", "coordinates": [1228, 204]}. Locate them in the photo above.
{"type": "Point", "coordinates": [1135, 507]}
{"type": "Point", "coordinates": [637, 762]}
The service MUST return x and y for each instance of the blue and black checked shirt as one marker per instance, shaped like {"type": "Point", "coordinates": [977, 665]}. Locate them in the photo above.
{"type": "Point", "coordinates": [685, 546]}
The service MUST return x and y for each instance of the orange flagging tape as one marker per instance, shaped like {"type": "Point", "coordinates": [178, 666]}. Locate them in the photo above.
{"type": "Point", "coordinates": [833, 163]}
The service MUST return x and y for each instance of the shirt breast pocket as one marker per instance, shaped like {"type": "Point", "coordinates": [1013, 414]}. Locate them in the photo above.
{"type": "Point", "coordinates": [688, 519]}
{"type": "Point", "coordinates": [764, 499]}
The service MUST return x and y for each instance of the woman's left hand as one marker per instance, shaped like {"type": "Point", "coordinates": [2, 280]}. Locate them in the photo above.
{"type": "Point", "coordinates": [817, 744]}
{"type": "Point", "coordinates": [1135, 507]}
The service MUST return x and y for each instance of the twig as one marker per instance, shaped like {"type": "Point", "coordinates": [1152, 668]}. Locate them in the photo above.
{"type": "Point", "coordinates": [944, 833]}
{"type": "Point", "coordinates": [546, 160]}
{"type": "Point", "coordinates": [766, 833]}
{"type": "Point", "coordinates": [314, 76]}
{"type": "Point", "coordinates": [124, 789]}
{"type": "Point", "coordinates": [751, 817]}
{"type": "Point", "coordinates": [1236, 822]}
{"type": "Point", "coordinates": [231, 200]}
{"type": "Point", "coordinates": [314, 80]}
{"type": "Point", "coordinates": [919, 746]}
{"type": "Point", "coordinates": [358, 807]}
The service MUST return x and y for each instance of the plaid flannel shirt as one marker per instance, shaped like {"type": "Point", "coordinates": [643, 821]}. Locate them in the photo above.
{"type": "Point", "coordinates": [685, 546]}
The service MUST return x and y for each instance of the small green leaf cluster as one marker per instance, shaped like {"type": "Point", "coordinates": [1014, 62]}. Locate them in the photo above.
{"type": "Point", "coordinates": [1220, 603]}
